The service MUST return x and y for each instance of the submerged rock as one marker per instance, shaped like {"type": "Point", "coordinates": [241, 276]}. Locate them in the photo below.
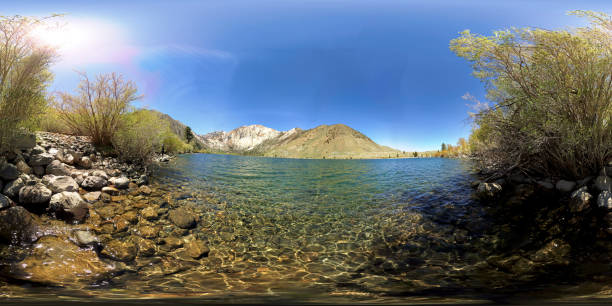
{"type": "Point", "coordinates": [55, 261]}
{"type": "Point", "coordinates": [18, 225]}
{"type": "Point", "coordinates": [120, 250]}
{"type": "Point", "coordinates": [182, 218]}
{"type": "Point", "coordinates": [196, 249]}
{"type": "Point", "coordinates": [556, 252]}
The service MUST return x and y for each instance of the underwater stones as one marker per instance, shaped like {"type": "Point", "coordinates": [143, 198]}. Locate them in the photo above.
{"type": "Point", "coordinates": [8, 171]}
{"type": "Point", "coordinates": [131, 216]}
{"type": "Point", "coordinates": [488, 190]}
{"type": "Point", "coordinates": [170, 243]}
{"type": "Point", "coordinates": [54, 261]}
{"type": "Point", "coordinates": [93, 183]}
{"type": "Point", "coordinates": [144, 190]}
{"type": "Point", "coordinates": [580, 199]}
{"type": "Point", "coordinates": [120, 250]}
{"type": "Point", "coordinates": [57, 168]}
{"type": "Point", "coordinates": [59, 184]}
{"type": "Point", "coordinates": [555, 252]}
{"type": "Point", "coordinates": [110, 190]}
{"type": "Point", "coordinates": [182, 218]}
{"type": "Point", "coordinates": [34, 194]}
{"type": "Point", "coordinates": [603, 183]}
{"type": "Point", "coordinates": [92, 196]}
{"type": "Point", "coordinates": [604, 200]}
{"type": "Point", "coordinates": [196, 249]}
{"type": "Point", "coordinates": [41, 160]}
{"type": "Point", "coordinates": [149, 213]}
{"type": "Point", "coordinates": [18, 225]}
{"type": "Point", "coordinates": [565, 186]}
{"type": "Point", "coordinates": [148, 232]}
{"type": "Point", "coordinates": [68, 206]}
{"type": "Point", "coordinates": [146, 247]}
{"type": "Point", "coordinates": [85, 238]}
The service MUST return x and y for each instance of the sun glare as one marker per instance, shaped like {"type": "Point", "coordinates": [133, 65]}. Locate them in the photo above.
{"type": "Point", "coordinates": [63, 37]}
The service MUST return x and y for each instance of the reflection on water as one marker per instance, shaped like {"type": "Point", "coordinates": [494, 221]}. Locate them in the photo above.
{"type": "Point", "coordinates": [339, 231]}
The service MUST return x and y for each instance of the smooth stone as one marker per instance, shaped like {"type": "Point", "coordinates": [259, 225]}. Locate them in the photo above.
{"type": "Point", "coordinates": [182, 218]}
{"type": "Point", "coordinates": [604, 200]}
{"type": "Point", "coordinates": [170, 243]}
{"type": "Point", "coordinates": [38, 150]}
{"type": "Point", "coordinates": [57, 168]}
{"type": "Point", "coordinates": [18, 225]}
{"type": "Point", "coordinates": [146, 190]}
{"type": "Point", "coordinates": [8, 172]}
{"type": "Point", "coordinates": [68, 206]}
{"type": "Point", "coordinates": [41, 160]}
{"type": "Point", "coordinates": [565, 186]}
{"type": "Point", "coordinates": [556, 252]}
{"type": "Point", "coordinates": [120, 182]}
{"type": "Point", "coordinates": [92, 196]}
{"type": "Point", "coordinates": [38, 170]}
{"type": "Point", "coordinates": [546, 185]}
{"type": "Point", "coordinates": [100, 173]}
{"type": "Point", "coordinates": [93, 183]}
{"type": "Point", "coordinates": [35, 194]}
{"type": "Point", "coordinates": [59, 184]}
{"type": "Point", "coordinates": [146, 247]}
{"type": "Point", "coordinates": [149, 213]}
{"type": "Point", "coordinates": [148, 232]}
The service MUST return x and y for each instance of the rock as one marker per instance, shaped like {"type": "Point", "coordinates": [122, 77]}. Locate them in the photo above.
{"type": "Point", "coordinates": [565, 186]}
{"type": "Point", "coordinates": [12, 188]}
{"type": "Point", "coordinates": [23, 167]}
{"type": "Point", "coordinates": [93, 183]}
{"type": "Point", "coordinates": [59, 184]}
{"type": "Point", "coordinates": [604, 200]}
{"type": "Point", "coordinates": [148, 232]}
{"type": "Point", "coordinates": [142, 180]}
{"type": "Point", "coordinates": [68, 206]}
{"type": "Point", "coordinates": [149, 213]}
{"type": "Point", "coordinates": [603, 183]}
{"type": "Point", "coordinates": [196, 249]}
{"type": "Point", "coordinates": [42, 159]}
{"type": "Point", "coordinates": [182, 218]}
{"type": "Point", "coordinates": [546, 185]}
{"type": "Point", "coordinates": [5, 202]}
{"type": "Point", "coordinates": [92, 196]}
{"type": "Point", "coordinates": [110, 190]}
{"type": "Point", "coordinates": [100, 173]}
{"type": "Point", "coordinates": [121, 182]}
{"type": "Point", "coordinates": [53, 151]}
{"type": "Point", "coordinates": [18, 225]}
{"type": "Point", "coordinates": [120, 250]}
{"type": "Point", "coordinates": [38, 150]}
{"type": "Point", "coordinates": [38, 170]}
{"type": "Point", "coordinates": [55, 261]}
{"type": "Point", "coordinates": [556, 252]}
{"type": "Point", "coordinates": [85, 238]}
{"type": "Point", "coordinates": [584, 181]}
{"type": "Point", "coordinates": [8, 172]}
{"type": "Point", "coordinates": [144, 190]}
{"type": "Point", "coordinates": [57, 168]}
{"type": "Point", "coordinates": [170, 243]}
{"type": "Point", "coordinates": [580, 199]}
{"type": "Point", "coordinates": [488, 190]}
{"type": "Point", "coordinates": [34, 194]}
{"type": "Point", "coordinates": [146, 247]}
{"type": "Point", "coordinates": [85, 162]}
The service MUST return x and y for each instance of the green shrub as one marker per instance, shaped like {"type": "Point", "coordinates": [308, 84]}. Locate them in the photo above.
{"type": "Point", "coordinates": [551, 97]}
{"type": "Point", "coordinates": [139, 136]}
{"type": "Point", "coordinates": [174, 145]}
{"type": "Point", "coordinates": [50, 121]}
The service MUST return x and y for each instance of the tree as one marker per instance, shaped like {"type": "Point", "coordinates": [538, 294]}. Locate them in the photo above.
{"type": "Point", "coordinates": [443, 147]}
{"type": "Point", "coordinates": [24, 76]}
{"type": "Point", "coordinates": [551, 96]}
{"type": "Point", "coordinates": [97, 108]}
{"type": "Point", "coordinates": [188, 134]}
{"type": "Point", "coordinates": [415, 154]}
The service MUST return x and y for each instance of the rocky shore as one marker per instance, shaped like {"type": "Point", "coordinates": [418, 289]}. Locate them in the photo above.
{"type": "Point", "coordinates": [70, 215]}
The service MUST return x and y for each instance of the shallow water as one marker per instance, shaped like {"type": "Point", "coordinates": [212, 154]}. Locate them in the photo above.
{"type": "Point", "coordinates": [336, 231]}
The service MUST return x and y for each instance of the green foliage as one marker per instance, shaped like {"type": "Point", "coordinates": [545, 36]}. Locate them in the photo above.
{"type": "Point", "coordinates": [51, 121]}
{"type": "Point", "coordinates": [99, 106]}
{"type": "Point", "coordinates": [24, 76]}
{"type": "Point", "coordinates": [415, 154]}
{"type": "Point", "coordinates": [174, 144]}
{"type": "Point", "coordinates": [443, 147]}
{"type": "Point", "coordinates": [139, 136]}
{"type": "Point", "coordinates": [188, 134]}
{"type": "Point", "coordinates": [551, 94]}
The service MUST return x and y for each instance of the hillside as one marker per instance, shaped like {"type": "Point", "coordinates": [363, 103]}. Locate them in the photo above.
{"type": "Point", "coordinates": [325, 141]}
{"type": "Point", "coordinates": [176, 127]}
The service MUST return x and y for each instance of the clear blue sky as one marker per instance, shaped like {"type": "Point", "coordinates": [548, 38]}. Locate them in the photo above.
{"type": "Point", "coordinates": [381, 67]}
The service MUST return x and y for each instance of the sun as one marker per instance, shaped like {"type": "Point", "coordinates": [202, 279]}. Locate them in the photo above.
{"type": "Point", "coordinates": [64, 36]}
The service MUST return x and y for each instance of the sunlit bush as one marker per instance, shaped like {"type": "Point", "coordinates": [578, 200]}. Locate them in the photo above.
{"type": "Point", "coordinates": [139, 136]}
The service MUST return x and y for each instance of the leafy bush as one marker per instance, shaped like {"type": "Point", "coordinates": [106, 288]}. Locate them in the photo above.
{"type": "Point", "coordinates": [551, 94]}
{"type": "Point", "coordinates": [98, 108]}
{"type": "Point", "coordinates": [173, 144]}
{"type": "Point", "coordinates": [24, 77]}
{"type": "Point", "coordinates": [139, 136]}
{"type": "Point", "coordinates": [50, 121]}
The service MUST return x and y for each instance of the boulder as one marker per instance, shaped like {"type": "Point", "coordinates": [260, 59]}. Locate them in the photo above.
{"type": "Point", "coordinates": [35, 194]}
{"type": "Point", "coordinates": [55, 261]}
{"type": "Point", "coordinates": [604, 200]}
{"type": "Point", "coordinates": [603, 183]}
{"type": "Point", "coordinates": [120, 182]}
{"type": "Point", "coordinates": [182, 218]}
{"type": "Point", "coordinates": [42, 159]}
{"type": "Point", "coordinates": [8, 171]}
{"type": "Point", "coordinates": [23, 167]}
{"type": "Point", "coordinates": [85, 162]}
{"type": "Point", "coordinates": [5, 202]}
{"type": "Point", "coordinates": [18, 225]}
{"type": "Point", "coordinates": [59, 184]}
{"type": "Point", "coordinates": [488, 190]}
{"type": "Point", "coordinates": [11, 189]}
{"type": "Point", "coordinates": [93, 183]}
{"type": "Point", "coordinates": [580, 199]}
{"type": "Point", "coordinates": [196, 249]}
{"type": "Point", "coordinates": [57, 168]}
{"type": "Point", "coordinates": [92, 196]}
{"type": "Point", "coordinates": [66, 158]}
{"type": "Point", "coordinates": [38, 170]}
{"type": "Point", "coordinates": [68, 206]}
{"type": "Point", "coordinates": [100, 173]}
{"type": "Point", "coordinates": [565, 186]}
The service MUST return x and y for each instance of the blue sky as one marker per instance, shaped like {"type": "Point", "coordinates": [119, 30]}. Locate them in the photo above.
{"type": "Point", "coordinates": [381, 67]}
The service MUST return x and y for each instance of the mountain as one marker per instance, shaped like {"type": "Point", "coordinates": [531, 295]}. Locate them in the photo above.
{"type": "Point", "coordinates": [176, 127]}
{"type": "Point", "coordinates": [324, 141]}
